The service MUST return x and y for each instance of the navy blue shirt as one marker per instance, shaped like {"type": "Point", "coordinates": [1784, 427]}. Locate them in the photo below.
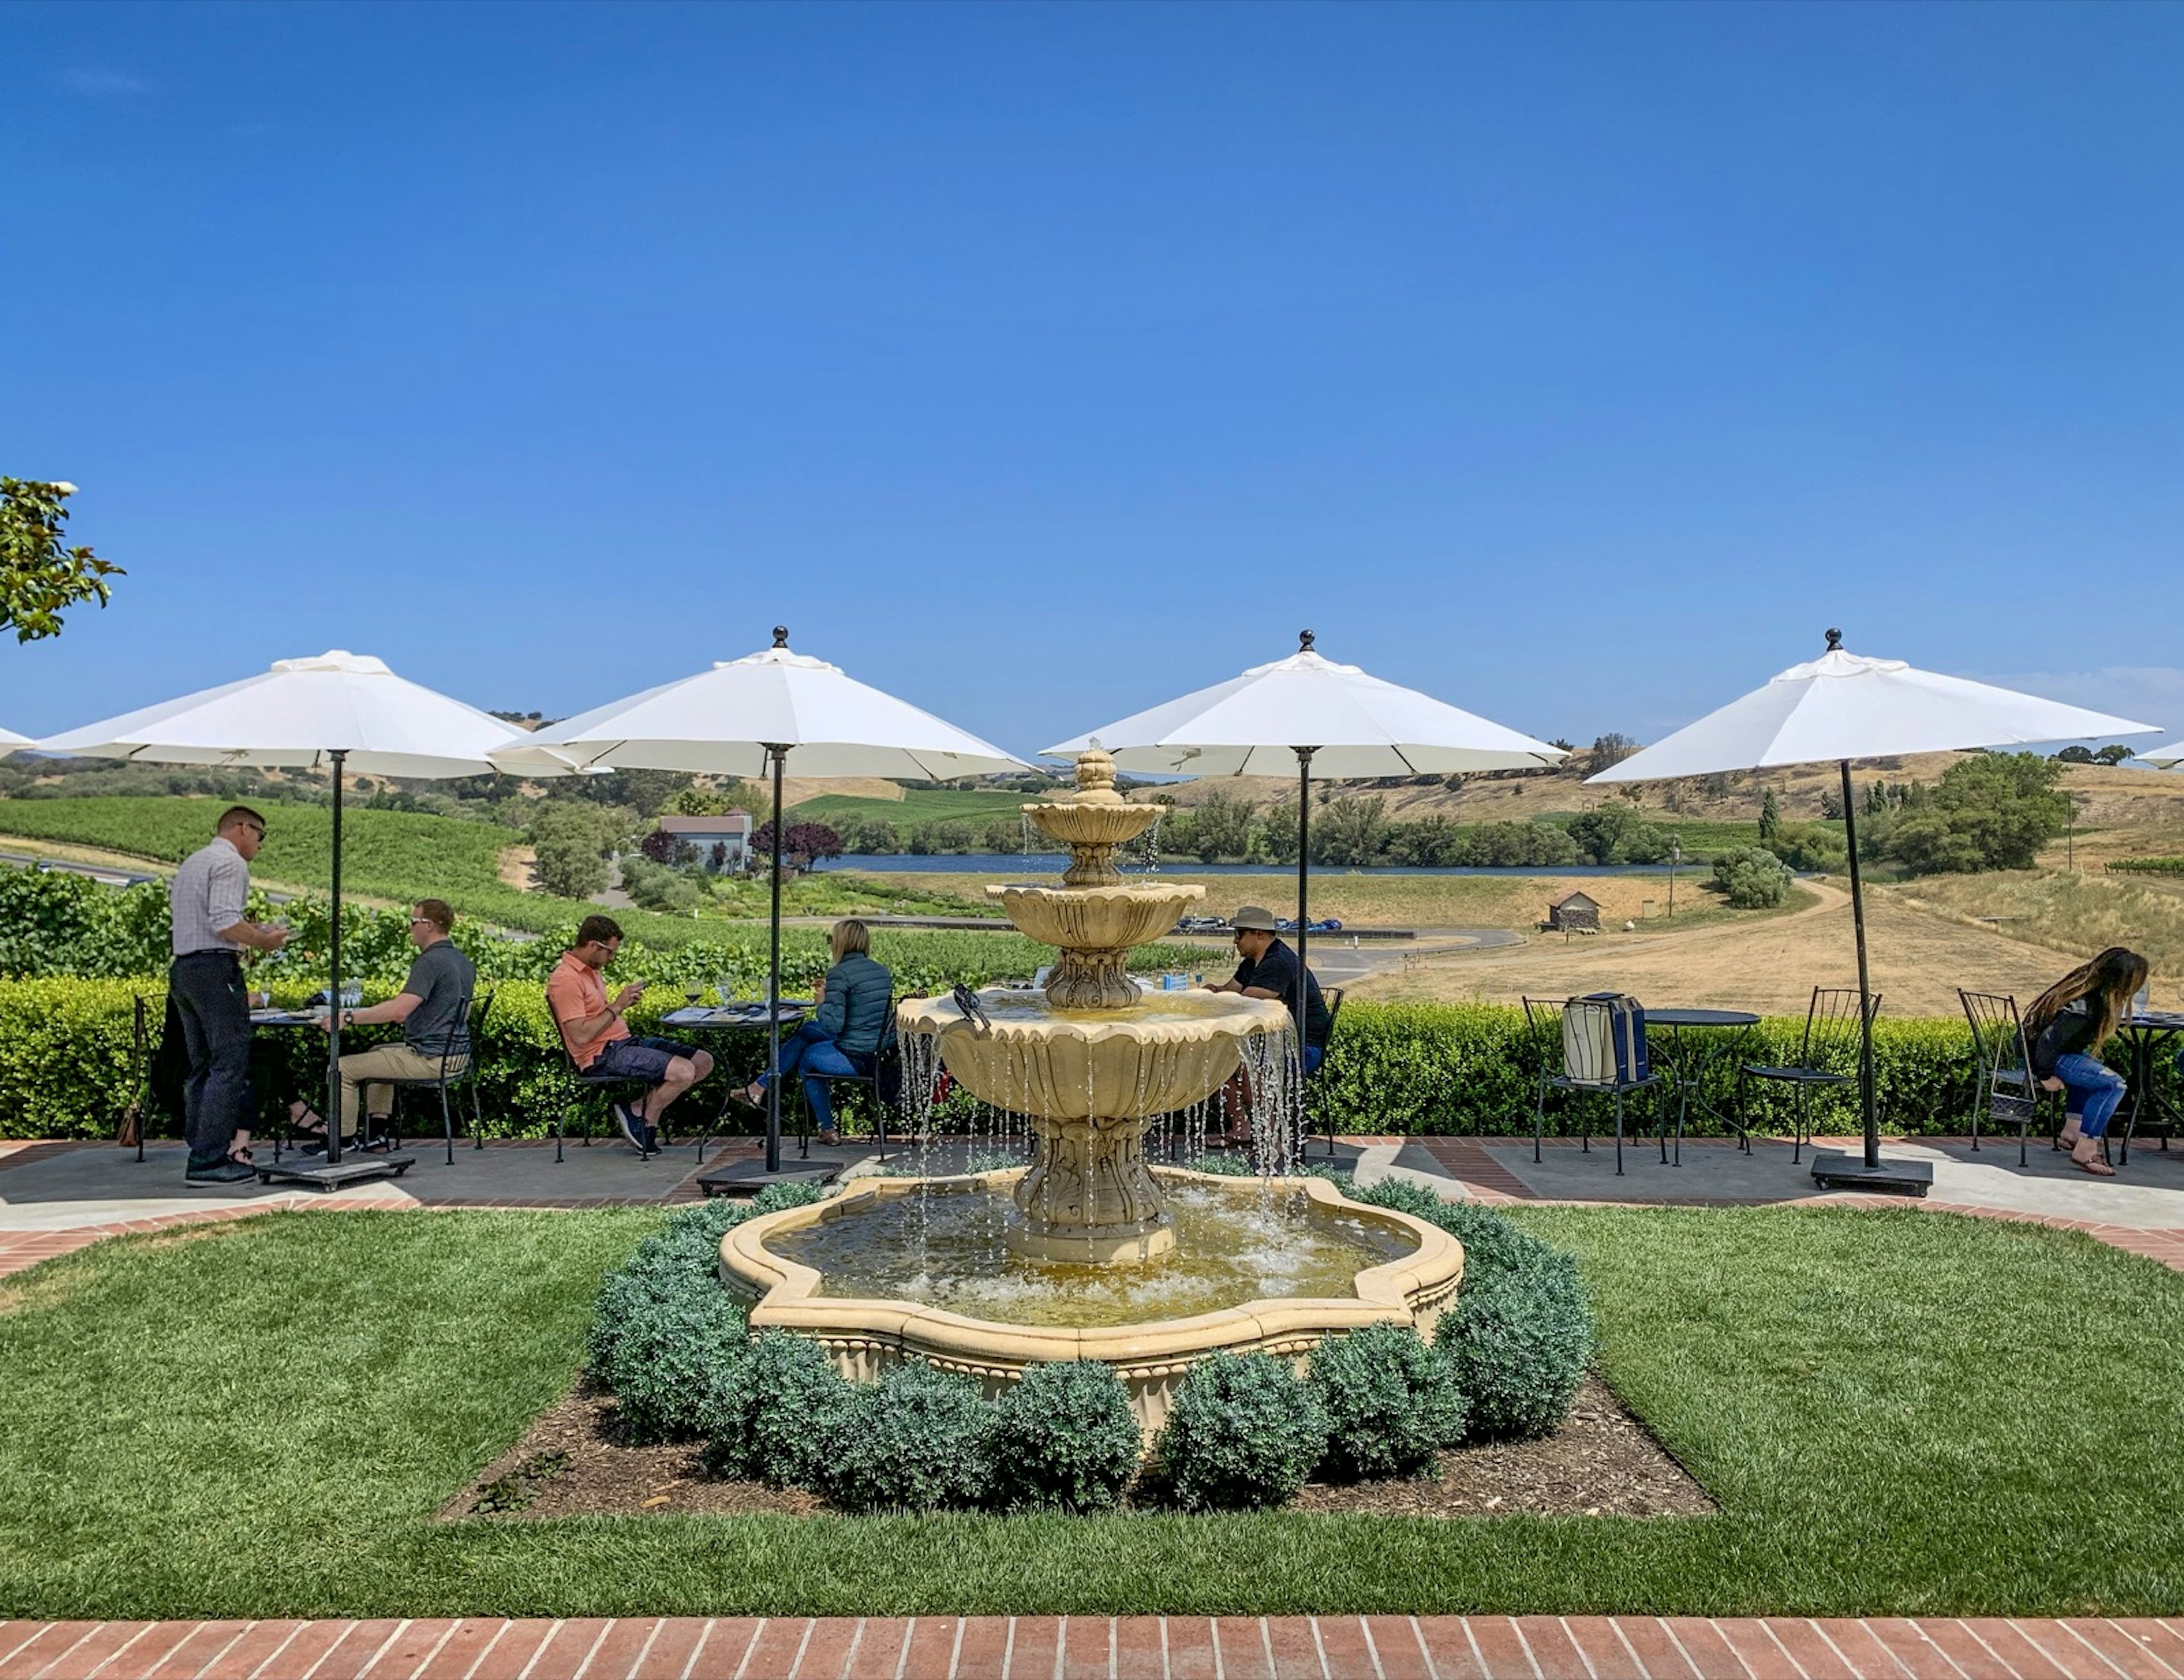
{"type": "Point", "coordinates": [1276, 972]}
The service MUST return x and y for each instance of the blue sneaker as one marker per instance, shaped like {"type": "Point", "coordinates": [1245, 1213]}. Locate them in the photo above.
{"type": "Point", "coordinates": [652, 1140]}
{"type": "Point", "coordinates": [633, 1128]}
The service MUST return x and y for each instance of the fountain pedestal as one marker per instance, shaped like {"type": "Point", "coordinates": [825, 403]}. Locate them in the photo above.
{"type": "Point", "coordinates": [1089, 1199]}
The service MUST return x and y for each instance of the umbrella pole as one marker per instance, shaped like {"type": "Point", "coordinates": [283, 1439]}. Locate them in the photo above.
{"type": "Point", "coordinates": [1865, 1092]}
{"type": "Point", "coordinates": [333, 985]}
{"type": "Point", "coordinates": [1304, 924]}
{"type": "Point", "coordinates": [780, 756]}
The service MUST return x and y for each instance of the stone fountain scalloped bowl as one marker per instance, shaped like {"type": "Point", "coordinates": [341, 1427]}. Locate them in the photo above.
{"type": "Point", "coordinates": [1163, 1054]}
{"type": "Point", "coordinates": [866, 1337]}
{"type": "Point", "coordinates": [1096, 918]}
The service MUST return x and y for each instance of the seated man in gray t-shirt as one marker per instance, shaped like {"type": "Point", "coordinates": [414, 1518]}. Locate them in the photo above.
{"type": "Point", "coordinates": [431, 1006]}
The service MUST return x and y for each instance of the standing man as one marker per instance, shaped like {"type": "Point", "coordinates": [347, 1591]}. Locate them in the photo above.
{"type": "Point", "coordinates": [598, 1039]}
{"type": "Point", "coordinates": [434, 1007]}
{"type": "Point", "coordinates": [208, 902]}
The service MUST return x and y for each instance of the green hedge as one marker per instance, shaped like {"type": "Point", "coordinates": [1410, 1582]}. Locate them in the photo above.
{"type": "Point", "coordinates": [2149, 865]}
{"type": "Point", "coordinates": [66, 1067]}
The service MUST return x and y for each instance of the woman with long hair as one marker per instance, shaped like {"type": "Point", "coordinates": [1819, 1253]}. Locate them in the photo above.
{"type": "Point", "coordinates": [2065, 1031]}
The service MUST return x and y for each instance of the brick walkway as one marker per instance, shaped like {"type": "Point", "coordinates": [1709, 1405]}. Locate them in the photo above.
{"type": "Point", "coordinates": [1096, 1648]}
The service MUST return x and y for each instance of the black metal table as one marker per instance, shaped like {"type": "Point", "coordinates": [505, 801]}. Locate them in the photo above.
{"type": "Point", "coordinates": [1688, 1072]}
{"type": "Point", "coordinates": [363, 1163]}
{"type": "Point", "coordinates": [2148, 1030]}
{"type": "Point", "coordinates": [736, 1018]}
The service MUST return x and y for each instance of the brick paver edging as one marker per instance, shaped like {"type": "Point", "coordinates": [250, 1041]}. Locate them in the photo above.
{"type": "Point", "coordinates": [1098, 1648]}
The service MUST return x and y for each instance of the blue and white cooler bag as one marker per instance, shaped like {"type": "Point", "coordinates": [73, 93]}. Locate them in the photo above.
{"type": "Point", "coordinates": [1604, 1039]}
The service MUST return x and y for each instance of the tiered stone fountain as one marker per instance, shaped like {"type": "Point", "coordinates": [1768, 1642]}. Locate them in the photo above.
{"type": "Point", "coordinates": [1090, 1252]}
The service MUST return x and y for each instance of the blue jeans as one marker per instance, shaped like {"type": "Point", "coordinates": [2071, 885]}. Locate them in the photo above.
{"type": "Point", "coordinates": [2095, 1092]}
{"type": "Point", "coordinates": [811, 1050]}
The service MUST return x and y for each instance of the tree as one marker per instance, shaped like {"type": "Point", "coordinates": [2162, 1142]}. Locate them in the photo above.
{"type": "Point", "coordinates": [2075, 756]}
{"type": "Point", "coordinates": [2112, 753]}
{"type": "Point", "coordinates": [571, 838]}
{"type": "Point", "coordinates": [1993, 811]}
{"type": "Point", "coordinates": [1352, 831]}
{"type": "Point", "coordinates": [41, 576]}
{"type": "Point", "coordinates": [1610, 750]}
{"type": "Point", "coordinates": [802, 844]}
{"type": "Point", "coordinates": [1277, 836]}
{"type": "Point", "coordinates": [1220, 827]}
{"type": "Point", "coordinates": [1770, 818]}
{"type": "Point", "coordinates": [1752, 878]}
{"type": "Point", "coordinates": [1614, 832]}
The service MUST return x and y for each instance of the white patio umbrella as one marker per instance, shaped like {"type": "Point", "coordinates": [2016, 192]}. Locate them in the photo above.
{"type": "Point", "coordinates": [744, 717]}
{"type": "Point", "coordinates": [1842, 706]}
{"type": "Point", "coordinates": [1321, 719]}
{"type": "Point", "coordinates": [2167, 757]}
{"type": "Point", "coordinates": [339, 711]}
{"type": "Point", "coordinates": [10, 742]}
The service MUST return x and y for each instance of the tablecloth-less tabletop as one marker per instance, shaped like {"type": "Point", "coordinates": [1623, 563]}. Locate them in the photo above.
{"type": "Point", "coordinates": [1688, 1070]}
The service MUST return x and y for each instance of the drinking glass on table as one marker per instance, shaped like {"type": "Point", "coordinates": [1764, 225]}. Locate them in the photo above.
{"type": "Point", "coordinates": [692, 991]}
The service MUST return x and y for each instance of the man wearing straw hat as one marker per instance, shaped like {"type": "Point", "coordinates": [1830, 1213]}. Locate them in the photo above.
{"type": "Point", "coordinates": [1268, 968]}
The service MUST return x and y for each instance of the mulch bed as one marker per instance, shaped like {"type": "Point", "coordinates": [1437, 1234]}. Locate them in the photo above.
{"type": "Point", "coordinates": [573, 1462]}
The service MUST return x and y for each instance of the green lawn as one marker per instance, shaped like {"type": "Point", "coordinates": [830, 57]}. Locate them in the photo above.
{"type": "Point", "coordinates": [1899, 1412]}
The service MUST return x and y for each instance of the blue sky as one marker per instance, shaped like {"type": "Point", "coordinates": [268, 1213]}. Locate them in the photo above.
{"type": "Point", "coordinates": [1578, 365]}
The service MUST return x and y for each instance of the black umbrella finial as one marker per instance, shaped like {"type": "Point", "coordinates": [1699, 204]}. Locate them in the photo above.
{"type": "Point", "coordinates": [1834, 641]}
{"type": "Point", "coordinates": [1304, 640]}
{"type": "Point", "coordinates": [781, 634]}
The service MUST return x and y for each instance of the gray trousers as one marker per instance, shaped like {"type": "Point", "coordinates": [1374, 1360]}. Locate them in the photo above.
{"type": "Point", "coordinates": [209, 991]}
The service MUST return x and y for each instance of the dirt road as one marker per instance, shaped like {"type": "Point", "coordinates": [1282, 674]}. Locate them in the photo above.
{"type": "Point", "coordinates": [1918, 960]}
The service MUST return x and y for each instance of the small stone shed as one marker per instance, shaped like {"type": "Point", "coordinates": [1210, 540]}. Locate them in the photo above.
{"type": "Point", "coordinates": [1574, 913]}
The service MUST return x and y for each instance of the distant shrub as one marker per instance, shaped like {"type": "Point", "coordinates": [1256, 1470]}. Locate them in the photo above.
{"type": "Point", "coordinates": [918, 1439]}
{"type": "Point", "coordinates": [1392, 1401]}
{"type": "Point", "coordinates": [1245, 1431]}
{"type": "Point", "coordinates": [1067, 1439]}
{"type": "Point", "coordinates": [778, 1415]}
{"type": "Point", "coordinates": [1752, 878]}
{"type": "Point", "coordinates": [1519, 1341]}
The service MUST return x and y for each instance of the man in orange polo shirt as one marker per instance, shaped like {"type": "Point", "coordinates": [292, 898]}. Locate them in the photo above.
{"type": "Point", "coordinates": [599, 1040]}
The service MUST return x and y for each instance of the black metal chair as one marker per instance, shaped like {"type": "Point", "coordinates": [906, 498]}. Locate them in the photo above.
{"type": "Point", "coordinates": [461, 1045]}
{"type": "Point", "coordinates": [1830, 1041]}
{"type": "Point", "coordinates": [1331, 996]}
{"type": "Point", "coordinates": [1543, 1020]}
{"type": "Point", "coordinates": [609, 1083]}
{"type": "Point", "coordinates": [870, 1081]}
{"type": "Point", "coordinates": [2005, 1091]}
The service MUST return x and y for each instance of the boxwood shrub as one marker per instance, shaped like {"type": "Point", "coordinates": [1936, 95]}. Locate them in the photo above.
{"type": "Point", "coordinates": [1067, 1439]}
{"type": "Point", "coordinates": [1245, 1431]}
{"type": "Point", "coordinates": [1519, 1335]}
{"type": "Point", "coordinates": [1392, 1401]}
{"type": "Point", "coordinates": [1520, 1341]}
{"type": "Point", "coordinates": [919, 1439]}
{"type": "Point", "coordinates": [776, 1415]}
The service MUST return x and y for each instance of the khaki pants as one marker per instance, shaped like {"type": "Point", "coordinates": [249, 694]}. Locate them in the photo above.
{"type": "Point", "coordinates": [385, 1062]}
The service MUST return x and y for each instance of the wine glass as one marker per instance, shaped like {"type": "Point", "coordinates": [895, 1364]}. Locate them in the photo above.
{"type": "Point", "coordinates": [692, 991]}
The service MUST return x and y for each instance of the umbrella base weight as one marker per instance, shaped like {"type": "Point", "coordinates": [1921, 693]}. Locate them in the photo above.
{"type": "Point", "coordinates": [1841, 1170]}
{"type": "Point", "coordinates": [747, 1178]}
{"type": "Point", "coordinates": [352, 1169]}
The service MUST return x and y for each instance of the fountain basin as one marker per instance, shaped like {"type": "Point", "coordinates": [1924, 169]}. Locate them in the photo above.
{"type": "Point", "coordinates": [1294, 1236]}
{"type": "Point", "coordinates": [1161, 1052]}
